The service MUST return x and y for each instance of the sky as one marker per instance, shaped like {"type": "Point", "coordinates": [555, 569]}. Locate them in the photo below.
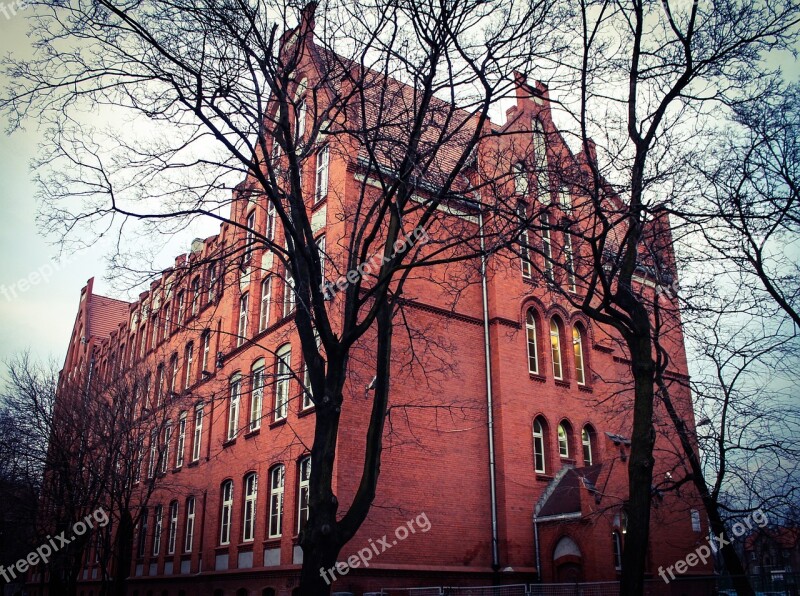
{"type": "Point", "coordinates": [39, 296]}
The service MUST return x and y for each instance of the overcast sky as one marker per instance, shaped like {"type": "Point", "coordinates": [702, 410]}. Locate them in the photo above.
{"type": "Point", "coordinates": [38, 313]}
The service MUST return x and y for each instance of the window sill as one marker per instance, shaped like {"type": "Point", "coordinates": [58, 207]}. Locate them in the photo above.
{"type": "Point", "coordinates": [537, 377]}
{"type": "Point", "coordinates": [229, 442]}
{"type": "Point", "coordinates": [584, 388]}
{"type": "Point", "coordinates": [222, 548]}
{"type": "Point", "coordinates": [562, 383]}
{"type": "Point", "coordinates": [272, 542]}
{"type": "Point", "coordinates": [277, 423]}
{"type": "Point", "coordinates": [177, 469]}
{"type": "Point", "coordinates": [253, 433]}
{"type": "Point", "coordinates": [543, 477]}
{"type": "Point", "coordinates": [193, 464]}
{"type": "Point", "coordinates": [246, 546]}
{"type": "Point", "coordinates": [306, 412]}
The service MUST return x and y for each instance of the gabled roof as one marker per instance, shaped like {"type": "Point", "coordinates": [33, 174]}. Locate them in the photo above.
{"type": "Point", "coordinates": [563, 495]}
{"type": "Point", "coordinates": [105, 315]}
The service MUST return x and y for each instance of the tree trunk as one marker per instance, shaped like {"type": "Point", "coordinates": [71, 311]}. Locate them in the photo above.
{"type": "Point", "coordinates": [123, 554]}
{"type": "Point", "coordinates": [318, 575]}
{"type": "Point", "coordinates": [640, 468]}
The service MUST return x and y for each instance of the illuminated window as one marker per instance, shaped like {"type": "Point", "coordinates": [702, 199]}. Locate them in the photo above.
{"type": "Point", "coordinates": [555, 349]}
{"type": "Point", "coordinates": [533, 355]}
{"type": "Point", "coordinates": [577, 348]}
{"type": "Point", "coordinates": [539, 446]}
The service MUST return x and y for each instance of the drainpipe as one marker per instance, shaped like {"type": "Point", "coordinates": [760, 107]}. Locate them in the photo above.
{"type": "Point", "coordinates": [489, 402]}
{"type": "Point", "coordinates": [536, 542]}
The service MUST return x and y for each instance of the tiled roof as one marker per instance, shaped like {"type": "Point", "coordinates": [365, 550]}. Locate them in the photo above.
{"type": "Point", "coordinates": [563, 496]}
{"type": "Point", "coordinates": [105, 314]}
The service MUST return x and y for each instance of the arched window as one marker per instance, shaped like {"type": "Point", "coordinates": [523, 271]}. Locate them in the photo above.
{"type": "Point", "coordinates": [268, 592]}
{"type": "Point", "coordinates": [181, 307]}
{"type": "Point", "coordinates": [540, 445]}
{"type": "Point", "coordinates": [533, 352]}
{"type": "Point", "coordinates": [276, 486]}
{"type": "Point", "coordinates": [577, 349]}
{"type": "Point", "coordinates": [197, 438]}
{"type": "Point", "coordinates": [180, 447]}
{"type": "Point", "coordinates": [205, 341]}
{"type": "Point", "coordinates": [616, 545]}
{"type": "Point", "coordinates": [257, 394]}
{"type": "Point", "coordinates": [241, 332]}
{"type": "Point", "coordinates": [173, 527]}
{"type": "Point", "coordinates": [587, 440]}
{"type": "Point", "coordinates": [564, 432]}
{"type": "Point", "coordinates": [226, 511]}
{"type": "Point", "coordinates": [212, 282]}
{"type": "Point", "coordinates": [173, 373]}
{"type": "Point", "coordinates": [303, 492]}
{"type": "Point", "coordinates": [524, 241]}
{"type": "Point", "coordinates": [283, 376]}
{"type": "Point", "coordinates": [555, 349]}
{"type": "Point", "coordinates": [167, 445]}
{"type": "Point", "coordinates": [249, 512]}
{"type": "Point", "coordinates": [540, 157]}
{"type": "Point", "coordinates": [233, 406]}
{"type": "Point", "coordinates": [189, 535]}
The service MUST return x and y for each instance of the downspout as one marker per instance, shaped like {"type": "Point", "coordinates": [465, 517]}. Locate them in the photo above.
{"type": "Point", "coordinates": [489, 398]}
{"type": "Point", "coordinates": [536, 542]}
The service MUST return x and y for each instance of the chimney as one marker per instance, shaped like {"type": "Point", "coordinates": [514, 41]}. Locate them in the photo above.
{"type": "Point", "coordinates": [307, 20]}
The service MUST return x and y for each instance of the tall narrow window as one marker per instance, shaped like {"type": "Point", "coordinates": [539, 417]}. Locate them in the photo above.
{"type": "Point", "coordinates": [694, 514]}
{"type": "Point", "coordinates": [266, 303]}
{"type": "Point", "coordinates": [195, 296]}
{"type": "Point", "coordinates": [181, 440]}
{"type": "Point", "coordinates": [565, 198]}
{"type": "Point", "coordinates": [539, 463]}
{"type": "Point", "coordinates": [533, 354]}
{"type": "Point", "coordinates": [307, 393]}
{"type": "Point", "coordinates": [181, 307]}
{"type": "Point", "coordinates": [540, 156]}
{"type": "Point", "coordinates": [212, 283]}
{"type": "Point", "coordinates": [188, 538]}
{"type": "Point", "coordinates": [520, 179]}
{"type": "Point", "coordinates": [158, 520]}
{"type": "Point", "coordinates": [173, 374]}
{"type": "Point", "coordinates": [233, 407]}
{"type": "Point", "coordinates": [276, 485]}
{"type": "Point", "coordinates": [271, 221]}
{"type": "Point", "coordinates": [524, 241]}
{"type": "Point", "coordinates": [563, 440]}
{"type": "Point", "coordinates": [249, 239]}
{"type": "Point", "coordinates": [153, 461]}
{"type": "Point", "coordinates": [173, 527]}
{"type": "Point", "coordinates": [555, 349]}
{"type": "Point", "coordinates": [242, 329]}
{"type": "Point", "coordinates": [257, 395]}
{"type": "Point", "coordinates": [159, 385]}
{"type": "Point", "coordinates": [249, 513]}
{"type": "Point", "coordinates": [142, 546]}
{"type": "Point", "coordinates": [197, 439]}
{"type": "Point", "coordinates": [206, 340]}
{"type": "Point", "coordinates": [155, 330]}
{"type": "Point", "coordinates": [288, 294]}
{"type": "Point", "coordinates": [322, 174]}
{"type": "Point", "coordinates": [587, 436]}
{"type": "Point", "coordinates": [167, 442]}
{"type": "Point", "coordinates": [577, 349]}
{"type": "Point", "coordinates": [167, 328]}
{"type": "Point", "coordinates": [302, 114]}
{"type": "Point", "coordinates": [321, 253]}
{"type": "Point", "coordinates": [547, 248]}
{"type": "Point", "coordinates": [188, 362]}
{"type": "Point", "coordinates": [283, 376]}
{"type": "Point", "coordinates": [616, 545]}
{"type": "Point", "coordinates": [226, 510]}
{"type": "Point", "coordinates": [143, 341]}
{"type": "Point", "coordinates": [303, 493]}
{"type": "Point", "coordinates": [569, 263]}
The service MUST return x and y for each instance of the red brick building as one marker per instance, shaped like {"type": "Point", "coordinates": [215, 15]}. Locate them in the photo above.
{"type": "Point", "coordinates": [220, 344]}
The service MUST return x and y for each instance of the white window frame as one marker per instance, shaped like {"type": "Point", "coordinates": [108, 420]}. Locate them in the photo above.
{"type": "Point", "coordinates": [195, 288]}
{"type": "Point", "coordinates": [266, 303]}
{"type": "Point", "coordinates": [142, 546]}
{"type": "Point", "coordinates": [188, 536]}
{"type": "Point", "coordinates": [555, 350]}
{"type": "Point", "coordinates": [181, 307]}
{"type": "Point", "coordinates": [323, 164]}
{"type": "Point", "coordinates": [524, 251]}
{"type": "Point", "coordinates": [188, 363]}
{"type": "Point", "coordinates": [288, 294]}
{"type": "Point", "coordinates": [249, 237]}
{"type": "Point", "coordinates": [249, 509]}
{"type": "Point", "coordinates": [233, 407]}
{"type": "Point", "coordinates": [521, 184]}
{"type": "Point", "coordinates": [563, 440]}
{"type": "Point", "coordinates": [569, 263]}
{"type": "Point", "coordinates": [531, 341]}
{"type": "Point", "coordinates": [547, 248]}
{"type": "Point", "coordinates": [198, 433]}
{"type": "Point", "coordinates": [588, 448]}
{"type": "Point", "coordinates": [257, 395]}
{"type": "Point", "coordinates": [158, 520]}
{"type": "Point", "coordinates": [277, 483]}
{"type": "Point", "coordinates": [167, 441]}
{"type": "Point", "coordinates": [226, 512]}
{"type": "Point", "coordinates": [172, 537]}
{"type": "Point", "coordinates": [303, 491]}
{"type": "Point", "coordinates": [271, 217]}
{"type": "Point", "coordinates": [206, 339]}
{"type": "Point", "coordinates": [321, 252]}
{"type": "Point", "coordinates": [577, 349]}
{"type": "Point", "coordinates": [539, 447]}
{"type": "Point", "coordinates": [241, 331]}
{"type": "Point", "coordinates": [152, 465]}
{"type": "Point", "coordinates": [180, 447]}
{"type": "Point", "coordinates": [283, 377]}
